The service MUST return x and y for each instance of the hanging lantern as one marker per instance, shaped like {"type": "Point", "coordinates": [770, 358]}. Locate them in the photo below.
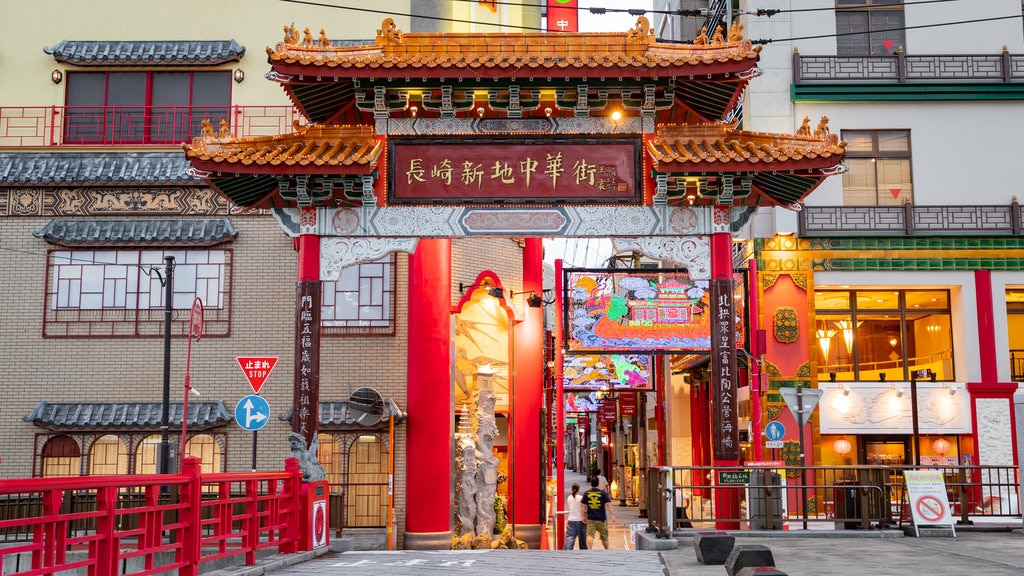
{"type": "Point", "coordinates": [941, 446]}
{"type": "Point", "coordinates": [842, 446]}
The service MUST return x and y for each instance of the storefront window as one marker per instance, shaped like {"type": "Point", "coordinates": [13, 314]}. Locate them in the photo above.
{"type": "Point", "coordinates": [882, 334]}
{"type": "Point", "coordinates": [1015, 324]}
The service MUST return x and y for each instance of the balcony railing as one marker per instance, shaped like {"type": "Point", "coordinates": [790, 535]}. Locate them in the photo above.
{"type": "Point", "coordinates": [901, 67]}
{"type": "Point", "coordinates": [1017, 365]}
{"type": "Point", "coordinates": [163, 126]}
{"type": "Point", "coordinates": [910, 220]}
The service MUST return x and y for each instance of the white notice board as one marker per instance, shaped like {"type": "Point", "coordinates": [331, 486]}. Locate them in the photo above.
{"type": "Point", "coordinates": [926, 496]}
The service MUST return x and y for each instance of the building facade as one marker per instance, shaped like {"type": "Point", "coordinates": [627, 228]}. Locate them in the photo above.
{"type": "Point", "coordinates": [95, 197]}
{"type": "Point", "coordinates": [904, 275]}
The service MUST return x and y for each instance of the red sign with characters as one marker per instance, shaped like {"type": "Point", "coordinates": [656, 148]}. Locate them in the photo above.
{"type": "Point", "coordinates": [257, 370]}
{"type": "Point", "coordinates": [627, 403]}
{"type": "Point", "coordinates": [606, 411]}
{"type": "Point", "coordinates": [589, 170]}
{"type": "Point", "coordinates": [562, 16]}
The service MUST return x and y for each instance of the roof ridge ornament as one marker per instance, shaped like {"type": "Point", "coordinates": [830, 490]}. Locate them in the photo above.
{"type": "Point", "coordinates": [642, 33]}
{"type": "Point", "coordinates": [389, 34]}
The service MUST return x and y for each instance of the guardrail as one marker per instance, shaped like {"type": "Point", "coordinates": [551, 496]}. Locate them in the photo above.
{"type": "Point", "coordinates": [901, 67]}
{"type": "Point", "coordinates": [148, 523]}
{"type": "Point", "coordinates": [158, 126]}
{"type": "Point", "coordinates": [834, 497]}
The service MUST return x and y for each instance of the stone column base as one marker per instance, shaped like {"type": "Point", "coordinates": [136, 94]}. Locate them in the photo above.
{"type": "Point", "coordinates": [531, 534]}
{"type": "Point", "coordinates": [428, 540]}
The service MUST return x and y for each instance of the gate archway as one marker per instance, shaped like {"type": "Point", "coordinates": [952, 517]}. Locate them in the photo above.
{"type": "Point", "coordinates": [416, 139]}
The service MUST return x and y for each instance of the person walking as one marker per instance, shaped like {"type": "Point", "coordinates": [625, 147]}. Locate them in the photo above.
{"type": "Point", "coordinates": [576, 528]}
{"type": "Point", "coordinates": [599, 512]}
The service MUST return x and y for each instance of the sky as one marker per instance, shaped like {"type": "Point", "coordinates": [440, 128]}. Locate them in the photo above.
{"type": "Point", "coordinates": [594, 252]}
{"type": "Point", "coordinates": [612, 21]}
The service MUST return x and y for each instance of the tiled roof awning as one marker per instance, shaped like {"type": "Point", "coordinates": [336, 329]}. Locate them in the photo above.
{"type": "Point", "coordinates": [94, 169]}
{"type": "Point", "coordinates": [68, 416]}
{"type": "Point", "coordinates": [148, 233]}
{"type": "Point", "coordinates": [147, 52]}
{"type": "Point", "coordinates": [335, 416]}
{"type": "Point", "coordinates": [784, 169]}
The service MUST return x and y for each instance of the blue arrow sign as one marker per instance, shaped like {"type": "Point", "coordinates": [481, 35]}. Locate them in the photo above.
{"type": "Point", "coordinates": [775, 430]}
{"type": "Point", "coordinates": [252, 412]}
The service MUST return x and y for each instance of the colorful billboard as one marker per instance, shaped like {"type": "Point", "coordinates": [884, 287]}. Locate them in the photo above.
{"type": "Point", "coordinates": [607, 372]}
{"type": "Point", "coordinates": [643, 311]}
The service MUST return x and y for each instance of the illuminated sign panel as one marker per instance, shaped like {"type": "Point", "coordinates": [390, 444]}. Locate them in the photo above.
{"type": "Point", "coordinates": [607, 372]}
{"type": "Point", "coordinates": [474, 169]}
{"type": "Point", "coordinates": [643, 311]}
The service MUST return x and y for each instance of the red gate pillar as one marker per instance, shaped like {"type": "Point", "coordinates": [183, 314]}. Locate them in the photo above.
{"type": "Point", "coordinates": [528, 484]}
{"type": "Point", "coordinates": [724, 376]}
{"type": "Point", "coordinates": [428, 502]}
{"type": "Point", "coordinates": [306, 393]}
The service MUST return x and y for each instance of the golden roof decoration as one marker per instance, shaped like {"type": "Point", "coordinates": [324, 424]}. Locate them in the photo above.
{"type": "Point", "coordinates": [721, 142]}
{"type": "Point", "coordinates": [308, 145]}
{"type": "Point", "coordinates": [393, 48]}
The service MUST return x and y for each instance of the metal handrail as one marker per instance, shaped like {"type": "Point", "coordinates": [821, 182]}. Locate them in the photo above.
{"type": "Point", "coordinates": [135, 126]}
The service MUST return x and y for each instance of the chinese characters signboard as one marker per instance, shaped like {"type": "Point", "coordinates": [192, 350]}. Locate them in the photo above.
{"type": "Point", "coordinates": [514, 170]}
{"type": "Point", "coordinates": [307, 376]}
{"type": "Point", "coordinates": [562, 16]}
{"type": "Point", "coordinates": [724, 376]}
{"type": "Point", "coordinates": [634, 310]}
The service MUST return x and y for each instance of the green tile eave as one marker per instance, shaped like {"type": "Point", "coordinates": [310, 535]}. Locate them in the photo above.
{"type": "Point", "coordinates": [906, 92]}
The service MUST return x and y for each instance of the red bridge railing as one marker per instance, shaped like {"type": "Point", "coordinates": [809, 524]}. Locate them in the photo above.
{"type": "Point", "coordinates": [70, 126]}
{"type": "Point", "coordinates": [147, 524]}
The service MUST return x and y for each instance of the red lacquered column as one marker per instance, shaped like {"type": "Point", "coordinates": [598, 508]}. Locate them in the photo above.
{"type": "Point", "coordinates": [428, 499]}
{"type": "Point", "coordinates": [529, 392]}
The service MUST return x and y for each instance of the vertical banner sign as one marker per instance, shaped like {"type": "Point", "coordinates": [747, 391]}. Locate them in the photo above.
{"type": "Point", "coordinates": [627, 403]}
{"type": "Point", "coordinates": [723, 371]}
{"type": "Point", "coordinates": [562, 16]}
{"type": "Point", "coordinates": [306, 399]}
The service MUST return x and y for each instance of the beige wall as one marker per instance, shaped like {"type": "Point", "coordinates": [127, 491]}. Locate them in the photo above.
{"type": "Point", "coordinates": [254, 24]}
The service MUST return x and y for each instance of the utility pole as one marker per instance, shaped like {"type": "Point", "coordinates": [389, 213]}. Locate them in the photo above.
{"type": "Point", "coordinates": [164, 457]}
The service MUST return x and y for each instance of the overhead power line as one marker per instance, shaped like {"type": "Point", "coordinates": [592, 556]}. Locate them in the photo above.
{"type": "Point", "coordinates": [640, 12]}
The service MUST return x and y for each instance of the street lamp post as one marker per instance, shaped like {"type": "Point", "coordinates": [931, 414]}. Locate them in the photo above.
{"type": "Point", "coordinates": [164, 457]}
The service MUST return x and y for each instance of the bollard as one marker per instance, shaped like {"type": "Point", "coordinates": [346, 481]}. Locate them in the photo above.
{"type": "Point", "coordinates": [713, 547]}
{"type": "Point", "coordinates": [748, 555]}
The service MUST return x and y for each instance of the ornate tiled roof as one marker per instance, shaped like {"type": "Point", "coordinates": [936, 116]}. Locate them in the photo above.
{"type": "Point", "coordinates": [332, 149]}
{"type": "Point", "coordinates": [679, 145]}
{"type": "Point", "coordinates": [65, 416]}
{"type": "Point", "coordinates": [532, 53]}
{"type": "Point", "coordinates": [94, 168]}
{"type": "Point", "coordinates": [335, 415]}
{"type": "Point", "coordinates": [147, 52]}
{"type": "Point", "coordinates": [155, 232]}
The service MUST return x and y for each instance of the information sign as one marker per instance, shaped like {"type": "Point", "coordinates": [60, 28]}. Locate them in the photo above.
{"type": "Point", "coordinates": [252, 412]}
{"type": "Point", "coordinates": [926, 493]}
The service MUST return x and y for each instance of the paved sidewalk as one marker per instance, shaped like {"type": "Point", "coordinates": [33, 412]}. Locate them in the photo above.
{"type": "Point", "coordinates": [997, 552]}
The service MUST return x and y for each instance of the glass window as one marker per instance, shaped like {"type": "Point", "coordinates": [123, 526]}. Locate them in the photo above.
{"type": "Point", "coordinates": [361, 301]}
{"type": "Point", "coordinates": [143, 107]}
{"type": "Point", "coordinates": [883, 334]}
{"type": "Point", "coordinates": [1015, 325]}
{"type": "Point", "coordinates": [869, 27]}
{"type": "Point", "coordinates": [108, 283]}
{"type": "Point", "coordinates": [108, 457]}
{"type": "Point", "coordinates": [329, 455]}
{"type": "Point", "coordinates": [880, 172]}
{"type": "Point", "coordinates": [146, 454]}
{"type": "Point", "coordinates": [61, 457]}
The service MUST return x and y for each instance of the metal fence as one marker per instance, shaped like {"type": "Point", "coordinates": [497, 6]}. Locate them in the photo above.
{"type": "Point", "coordinates": [832, 497]}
